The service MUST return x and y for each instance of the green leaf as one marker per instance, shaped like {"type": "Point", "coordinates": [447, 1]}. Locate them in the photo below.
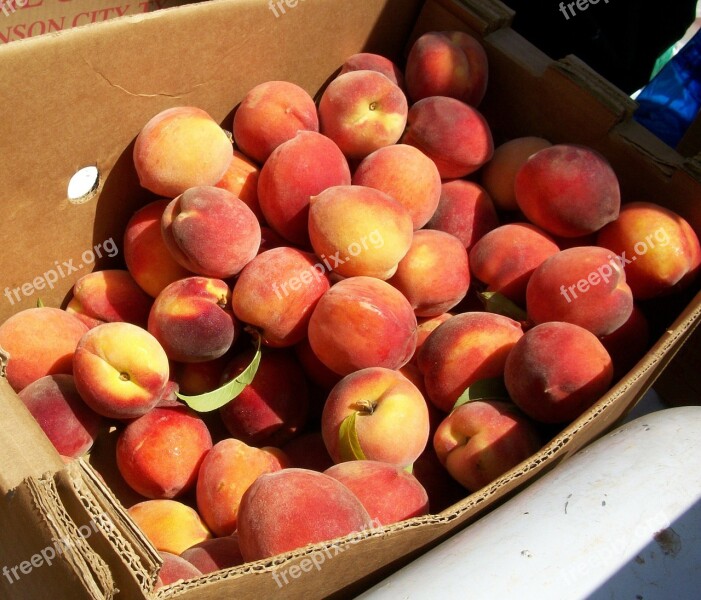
{"type": "Point", "coordinates": [40, 303]}
{"type": "Point", "coordinates": [497, 303]}
{"type": "Point", "coordinates": [227, 392]}
{"type": "Point", "coordinates": [349, 444]}
{"type": "Point", "coordinates": [484, 389]}
{"type": "Point", "coordinates": [409, 469]}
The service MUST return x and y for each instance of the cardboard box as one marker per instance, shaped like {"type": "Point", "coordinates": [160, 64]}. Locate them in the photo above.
{"type": "Point", "coordinates": [20, 19]}
{"type": "Point", "coordinates": [84, 95]}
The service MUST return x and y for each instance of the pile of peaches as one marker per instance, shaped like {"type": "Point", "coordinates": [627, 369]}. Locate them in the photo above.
{"type": "Point", "coordinates": [356, 313]}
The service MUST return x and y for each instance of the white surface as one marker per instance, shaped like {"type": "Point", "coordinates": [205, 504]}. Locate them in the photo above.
{"type": "Point", "coordinates": [587, 529]}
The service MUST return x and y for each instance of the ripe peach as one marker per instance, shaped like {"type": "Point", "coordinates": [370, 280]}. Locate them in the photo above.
{"type": "Point", "coordinates": [447, 63]}
{"type": "Point", "coordinates": [108, 296]}
{"type": "Point", "coordinates": [465, 210]}
{"type": "Point", "coordinates": [273, 407]}
{"type": "Point", "coordinates": [362, 111]}
{"type": "Point", "coordinates": [362, 322]}
{"type": "Point", "coordinates": [308, 451]}
{"type": "Point", "coordinates": [175, 568]}
{"type": "Point", "coordinates": [180, 148]}
{"type": "Point", "coordinates": [451, 133]}
{"type": "Point", "coordinates": [557, 371]}
{"type": "Point", "coordinates": [387, 492]}
{"type": "Point", "coordinates": [159, 454]}
{"type": "Point", "coordinates": [289, 509]}
{"type": "Point", "coordinates": [391, 417]}
{"type": "Point", "coordinates": [466, 348]}
{"type": "Point", "coordinates": [434, 275]}
{"type": "Point", "coordinates": [499, 174]}
{"type": "Point", "coordinates": [270, 114]}
{"type": "Point", "coordinates": [480, 441]}
{"type": "Point", "coordinates": [192, 319]}
{"type": "Point", "coordinates": [367, 61]}
{"type": "Point", "coordinates": [215, 554]}
{"type": "Point", "coordinates": [66, 420]}
{"type": "Point", "coordinates": [568, 190]}
{"type": "Point", "coordinates": [198, 378]}
{"type": "Point", "coordinates": [658, 249]}
{"type": "Point", "coordinates": [407, 175]}
{"type": "Point", "coordinates": [300, 168]}
{"type": "Point", "coordinates": [582, 285]}
{"type": "Point", "coordinates": [277, 292]}
{"type": "Point", "coordinates": [39, 342]}
{"type": "Point", "coordinates": [506, 257]}
{"type": "Point", "coordinates": [145, 253]}
{"type": "Point", "coordinates": [227, 471]}
{"type": "Point", "coordinates": [120, 370]}
{"type": "Point", "coordinates": [358, 230]}
{"type": "Point", "coordinates": [169, 525]}
{"type": "Point", "coordinates": [241, 179]}
{"type": "Point", "coordinates": [209, 231]}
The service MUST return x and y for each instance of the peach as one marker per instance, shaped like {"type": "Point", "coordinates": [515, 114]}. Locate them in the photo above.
{"type": "Point", "coordinates": [628, 344]}
{"type": "Point", "coordinates": [658, 249]}
{"type": "Point", "coordinates": [273, 407]}
{"type": "Point", "coordinates": [362, 322]}
{"type": "Point", "coordinates": [424, 328]}
{"type": "Point", "coordinates": [447, 63]}
{"type": "Point", "coordinates": [192, 319]}
{"type": "Point", "coordinates": [464, 210]}
{"type": "Point", "coordinates": [180, 148]}
{"type": "Point", "coordinates": [407, 175]}
{"type": "Point", "coordinates": [300, 168]}
{"type": "Point", "coordinates": [198, 378]}
{"type": "Point", "coordinates": [391, 417]}
{"type": "Point", "coordinates": [451, 133]}
{"type": "Point", "coordinates": [358, 230]}
{"type": "Point", "coordinates": [277, 292]}
{"type": "Point", "coordinates": [506, 257]}
{"type": "Point", "coordinates": [362, 111]}
{"type": "Point", "coordinates": [120, 370]}
{"type": "Point", "coordinates": [308, 451]}
{"type": "Point", "coordinates": [289, 509]}
{"type": "Point", "coordinates": [434, 275]}
{"type": "Point", "coordinates": [582, 285]}
{"type": "Point", "coordinates": [499, 174]}
{"type": "Point", "coordinates": [209, 231]}
{"type": "Point", "coordinates": [556, 371]}
{"type": "Point", "coordinates": [215, 554]}
{"type": "Point", "coordinates": [66, 420]}
{"type": "Point", "coordinates": [315, 370]}
{"type": "Point", "coordinates": [480, 441]}
{"type": "Point", "coordinates": [145, 253]}
{"type": "Point", "coordinates": [108, 296]}
{"type": "Point", "coordinates": [466, 348]}
{"type": "Point", "coordinates": [387, 492]}
{"type": "Point", "coordinates": [227, 471]}
{"type": "Point", "coordinates": [169, 525]}
{"type": "Point", "coordinates": [39, 342]}
{"type": "Point", "coordinates": [175, 568]}
{"type": "Point", "coordinates": [159, 454]}
{"type": "Point", "coordinates": [270, 114]}
{"type": "Point", "coordinates": [367, 61]}
{"type": "Point", "coordinates": [241, 179]}
{"type": "Point", "coordinates": [568, 190]}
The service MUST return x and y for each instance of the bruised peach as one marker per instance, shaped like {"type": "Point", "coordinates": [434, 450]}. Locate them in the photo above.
{"type": "Point", "coordinates": [557, 371]}
{"type": "Point", "coordinates": [270, 114]}
{"type": "Point", "coordinates": [39, 342]}
{"type": "Point", "coordinates": [180, 148]}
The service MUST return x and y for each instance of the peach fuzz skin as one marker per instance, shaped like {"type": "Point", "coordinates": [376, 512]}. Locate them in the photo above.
{"type": "Point", "coordinates": [39, 342]}
{"type": "Point", "coordinates": [480, 441]}
{"type": "Point", "coordinates": [392, 421]}
{"type": "Point", "coordinates": [120, 370]}
{"type": "Point", "coordinates": [180, 148]}
{"type": "Point", "coordinates": [367, 61]}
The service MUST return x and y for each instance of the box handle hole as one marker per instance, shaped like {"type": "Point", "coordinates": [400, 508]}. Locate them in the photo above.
{"type": "Point", "coordinates": [83, 185]}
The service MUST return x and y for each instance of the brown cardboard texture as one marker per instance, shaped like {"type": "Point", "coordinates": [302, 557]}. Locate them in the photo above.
{"type": "Point", "coordinates": [21, 19]}
{"type": "Point", "coordinates": [86, 93]}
